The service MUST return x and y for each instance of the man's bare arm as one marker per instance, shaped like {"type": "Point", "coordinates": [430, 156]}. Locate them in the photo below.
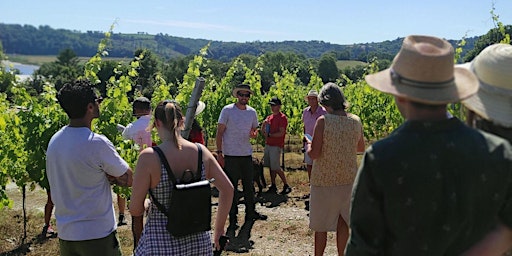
{"type": "Point", "coordinates": [124, 180]}
{"type": "Point", "coordinates": [496, 242]}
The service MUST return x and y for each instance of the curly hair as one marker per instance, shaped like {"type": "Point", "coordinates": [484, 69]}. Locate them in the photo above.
{"type": "Point", "coordinates": [74, 97]}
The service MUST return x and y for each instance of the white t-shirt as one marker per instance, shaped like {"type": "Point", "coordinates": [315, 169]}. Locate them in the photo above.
{"type": "Point", "coordinates": [136, 131]}
{"type": "Point", "coordinates": [235, 141]}
{"type": "Point", "coordinates": [77, 161]}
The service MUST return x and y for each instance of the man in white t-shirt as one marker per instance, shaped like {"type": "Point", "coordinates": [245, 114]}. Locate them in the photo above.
{"type": "Point", "coordinates": [81, 165]}
{"type": "Point", "coordinates": [137, 130]}
{"type": "Point", "coordinates": [139, 133]}
{"type": "Point", "coordinates": [238, 122]}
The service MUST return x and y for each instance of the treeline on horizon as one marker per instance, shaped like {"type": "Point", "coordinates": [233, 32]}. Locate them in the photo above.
{"type": "Point", "coordinates": [153, 66]}
{"type": "Point", "coordinates": [44, 40]}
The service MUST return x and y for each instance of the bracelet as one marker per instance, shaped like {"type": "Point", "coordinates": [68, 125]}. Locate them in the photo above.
{"type": "Point", "coordinates": [219, 151]}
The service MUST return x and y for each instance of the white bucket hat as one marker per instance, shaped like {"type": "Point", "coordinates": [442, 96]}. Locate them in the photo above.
{"type": "Point", "coordinates": [493, 101]}
{"type": "Point", "coordinates": [423, 71]}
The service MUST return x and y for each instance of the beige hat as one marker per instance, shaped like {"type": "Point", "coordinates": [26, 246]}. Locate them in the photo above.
{"type": "Point", "coordinates": [423, 71]}
{"type": "Point", "coordinates": [493, 67]}
{"type": "Point", "coordinates": [311, 93]}
{"type": "Point", "coordinates": [242, 87]}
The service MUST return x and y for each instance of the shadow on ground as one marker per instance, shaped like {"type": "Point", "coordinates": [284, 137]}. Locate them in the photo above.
{"type": "Point", "coordinates": [24, 248]}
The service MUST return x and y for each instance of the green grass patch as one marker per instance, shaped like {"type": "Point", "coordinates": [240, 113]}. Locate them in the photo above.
{"type": "Point", "coordinates": [341, 64]}
{"type": "Point", "coordinates": [42, 59]}
{"type": "Point", "coordinates": [31, 59]}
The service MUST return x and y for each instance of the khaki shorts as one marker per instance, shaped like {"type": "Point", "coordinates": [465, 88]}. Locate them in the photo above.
{"type": "Point", "coordinates": [326, 204]}
{"type": "Point", "coordinates": [272, 157]}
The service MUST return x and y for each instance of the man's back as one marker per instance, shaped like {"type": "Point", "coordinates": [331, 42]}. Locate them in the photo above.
{"type": "Point", "coordinates": [431, 188]}
{"type": "Point", "coordinates": [137, 131]}
{"type": "Point", "coordinates": [77, 163]}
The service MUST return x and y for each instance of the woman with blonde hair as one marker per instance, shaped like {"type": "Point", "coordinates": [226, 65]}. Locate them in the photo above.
{"type": "Point", "coordinates": [154, 239]}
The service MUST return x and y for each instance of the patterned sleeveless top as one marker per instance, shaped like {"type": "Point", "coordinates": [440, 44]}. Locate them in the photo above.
{"type": "Point", "coordinates": [156, 240]}
{"type": "Point", "coordinates": [337, 164]}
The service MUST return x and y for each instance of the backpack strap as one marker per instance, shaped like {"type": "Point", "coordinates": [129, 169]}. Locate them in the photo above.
{"type": "Point", "coordinates": [200, 161]}
{"type": "Point", "coordinates": [163, 159]}
{"type": "Point", "coordinates": [170, 174]}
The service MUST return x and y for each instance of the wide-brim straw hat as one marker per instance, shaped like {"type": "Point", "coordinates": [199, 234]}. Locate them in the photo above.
{"type": "Point", "coordinates": [241, 87]}
{"type": "Point", "coordinates": [424, 71]}
{"type": "Point", "coordinates": [493, 101]}
{"type": "Point", "coordinates": [200, 107]}
{"type": "Point", "coordinates": [311, 93]}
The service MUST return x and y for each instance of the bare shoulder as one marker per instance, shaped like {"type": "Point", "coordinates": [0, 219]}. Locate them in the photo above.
{"type": "Point", "coordinates": [147, 158]}
{"type": "Point", "coordinates": [147, 153]}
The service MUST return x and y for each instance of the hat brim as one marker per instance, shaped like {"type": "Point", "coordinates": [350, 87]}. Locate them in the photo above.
{"type": "Point", "coordinates": [307, 96]}
{"type": "Point", "coordinates": [200, 107]}
{"type": "Point", "coordinates": [492, 106]}
{"type": "Point", "coordinates": [465, 85]}
{"type": "Point", "coordinates": [236, 90]}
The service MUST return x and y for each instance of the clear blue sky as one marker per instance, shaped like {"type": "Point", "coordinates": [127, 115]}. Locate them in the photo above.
{"type": "Point", "coordinates": [339, 22]}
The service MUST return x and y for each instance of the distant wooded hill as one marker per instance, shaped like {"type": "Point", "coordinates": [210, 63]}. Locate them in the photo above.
{"type": "Point", "coordinates": [44, 40]}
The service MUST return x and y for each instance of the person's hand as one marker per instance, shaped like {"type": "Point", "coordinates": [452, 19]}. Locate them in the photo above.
{"type": "Point", "coordinates": [220, 159]}
{"type": "Point", "coordinates": [111, 179]}
{"type": "Point", "coordinates": [253, 134]}
{"type": "Point", "coordinates": [220, 244]}
{"type": "Point", "coordinates": [120, 128]}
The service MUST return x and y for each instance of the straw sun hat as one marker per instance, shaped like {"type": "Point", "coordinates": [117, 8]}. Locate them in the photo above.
{"type": "Point", "coordinates": [311, 93]}
{"type": "Point", "coordinates": [242, 87]}
{"type": "Point", "coordinates": [423, 71]}
{"type": "Point", "coordinates": [493, 101]}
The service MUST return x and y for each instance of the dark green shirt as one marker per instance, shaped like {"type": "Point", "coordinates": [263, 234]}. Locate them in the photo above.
{"type": "Point", "coordinates": [430, 188]}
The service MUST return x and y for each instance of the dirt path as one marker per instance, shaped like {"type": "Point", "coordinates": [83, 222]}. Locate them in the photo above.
{"type": "Point", "coordinates": [285, 232]}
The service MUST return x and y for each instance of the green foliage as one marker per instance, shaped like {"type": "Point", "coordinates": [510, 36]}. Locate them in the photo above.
{"type": "Point", "coordinates": [39, 119]}
{"type": "Point", "coordinates": [12, 157]}
{"type": "Point", "coordinates": [28, 121]}
{"type": "Point", "coordinates": [115, 108]}
{"type": "Point", "coordinates": [377, 110]}
{"type": "Point", "coordinates": [147, 69]}
{"type": "Point", "coordinates": [62, 70]}
{"type": "Point", "coordinates": [327, 68]}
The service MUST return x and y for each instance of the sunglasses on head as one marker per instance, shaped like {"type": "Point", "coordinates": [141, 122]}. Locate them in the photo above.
{"type": "Point", "coordinates": [247, 95]}
{"type": "Point", "coordinates": [165, 102]}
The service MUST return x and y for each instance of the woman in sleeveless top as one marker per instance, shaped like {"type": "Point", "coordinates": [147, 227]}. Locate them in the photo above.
{"type": "Point", "coordinates": [337, 138]}
{"type": "Point", "coordinates": [154, 239]}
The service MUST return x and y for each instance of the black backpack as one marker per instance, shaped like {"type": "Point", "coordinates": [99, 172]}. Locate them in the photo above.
{"type": "Point", "coordinates": [190, 203]}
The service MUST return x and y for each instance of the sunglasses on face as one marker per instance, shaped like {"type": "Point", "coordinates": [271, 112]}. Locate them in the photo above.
{"type": "Point", "coordinates": [165, 102]}
{"type": "Point", "coordinates": [246, 95]}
